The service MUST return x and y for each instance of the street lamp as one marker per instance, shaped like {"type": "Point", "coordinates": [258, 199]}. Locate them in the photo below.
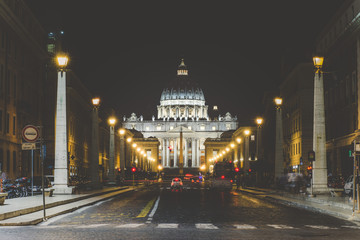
{"type": "Point", "coordinates": [279, 157]}
{"type": "Point", "coordinates": [259, 122]}
{"type": "Point", "coordinates": [319, 172]}
{"type": "Point", "coordinates": [247, 144]}
{"type": "Point", "coordinates": [122, 154]}
{"type": "Point", "coordinates": [61, 148]}
{"type": "Point", "coordinates": [111, 175]}
{"type": "Point", "coordinates": [94, 171]}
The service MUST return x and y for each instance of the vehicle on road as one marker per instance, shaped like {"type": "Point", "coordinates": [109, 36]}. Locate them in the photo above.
{"type": "Point", "coordinates": [176, 183]}
{"type": "Point", "coordinates": [348, 186]}
{"type": "Point", "coordinates": [222, 176]}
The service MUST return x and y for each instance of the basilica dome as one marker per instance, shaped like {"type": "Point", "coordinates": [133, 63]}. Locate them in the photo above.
{"type": "Point", "coordinates": [182, 98]}
{"type": "Point", "coordinates": [182, 87]}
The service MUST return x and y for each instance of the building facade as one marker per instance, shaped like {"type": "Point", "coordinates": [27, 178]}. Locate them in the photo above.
{"type": "Point", "coordinates": [339, 43]}
{"type": "Point", "coordinates": [182, 109]}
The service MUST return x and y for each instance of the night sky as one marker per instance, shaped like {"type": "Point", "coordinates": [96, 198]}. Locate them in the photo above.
{"type": "Point", "coordinates": [126, 52]}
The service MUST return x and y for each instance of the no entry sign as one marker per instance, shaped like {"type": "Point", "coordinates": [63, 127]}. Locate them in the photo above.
{"type": "Point", "coordinates": [30, 133]}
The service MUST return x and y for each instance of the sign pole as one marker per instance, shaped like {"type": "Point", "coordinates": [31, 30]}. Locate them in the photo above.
{"type": "Point", "coordinates": [32, 172]}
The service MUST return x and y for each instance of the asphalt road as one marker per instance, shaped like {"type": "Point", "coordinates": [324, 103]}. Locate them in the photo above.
{"type": "Point", "coordinates": [197, 213]}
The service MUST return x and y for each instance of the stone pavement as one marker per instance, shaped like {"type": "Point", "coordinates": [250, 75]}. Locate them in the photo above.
{"type": "Point", "coordinates": [29, 210]}
{"type": "Point", "coordinates": [338, 206]}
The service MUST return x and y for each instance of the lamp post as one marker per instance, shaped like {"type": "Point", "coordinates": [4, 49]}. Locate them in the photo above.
{"type": "Point", "coordinates": [259, 122]}
{"type": "Point", "coordinates": [95, 144]}
{"type": "Point", "coordinates": [61, 150]}
{"type": "Point", "coordinates": [319, 176]}
{"type": "Point", "coordinates": [247, 154]}
{"type": "Point", "coordinates": [122, 154]}
{"type": "Point", "coordinates": [111, 175]}
{"type": "Point", "coordinates": [279, 157]}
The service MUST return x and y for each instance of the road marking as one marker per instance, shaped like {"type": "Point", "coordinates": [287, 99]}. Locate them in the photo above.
{"type": "Point", "coordinates": [319, 227]}
{"type": "Point", "coordinates": [280, 226]}
{"type": "Point", "coordinates": [244, 226]}
{"type": "Point", "coordinates": [167, 225]}
{"type": "Point", "coordinates": [154, 208]}
{"type": "Point", "coordinates": [99, 203]}
{"type": "Point", "coordinates": [130, 225]}
{"type": "Point", "coordinates": [146, 209]}
{"type": "Point", "coordinates": [92, 225]}
{"type": "Point", "coordinates": [352, 227]}
{"type": "Point", "coordinates": [205, 226]}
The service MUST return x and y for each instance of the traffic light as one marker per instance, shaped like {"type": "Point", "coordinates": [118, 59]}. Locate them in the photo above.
{"type": "Point", "coordinates": [249, 170]}
{"type": "Point", "coordinates": [133, 169]}
{"type": "Point", "coordinates": [236, 169]}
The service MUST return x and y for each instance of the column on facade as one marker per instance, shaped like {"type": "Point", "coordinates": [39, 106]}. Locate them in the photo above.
{"type": "Point", "coordinates": [192, 152]}
{"type": "Point", "coordinates": [175, 152]}
{"type": "Point", "coordinates": [198, 152]}
{"type": "Point", "coordinates": [162, 152]}
{"type": "Point", "coordinates": [167, 152]}
{"type": "Point", "coordinates": [186, 152]}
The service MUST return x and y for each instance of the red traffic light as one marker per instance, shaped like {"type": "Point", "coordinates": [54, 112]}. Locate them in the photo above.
{"type": "Point", "coordinates": [249, 169]}
{"type": "Point", "coordinates": [236, 169]}
{"type": "Point", "coordinates": [133, 169]}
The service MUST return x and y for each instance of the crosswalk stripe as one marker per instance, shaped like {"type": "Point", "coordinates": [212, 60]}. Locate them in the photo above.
{"type": "Point", "coordinates": [130, 225]}
{"type": "Point", "coordinates": [205, 226]}
{"type": "Point", "coordinates": [244, 226]}
{"type": "Point", "coordinates": [280, 226]}
{"type": "Point", "coordinates": [167, 225]}
{"type": "Point", "coordinates": [320, 227]}
{"type": "Point", "coordinates": [91, 226]}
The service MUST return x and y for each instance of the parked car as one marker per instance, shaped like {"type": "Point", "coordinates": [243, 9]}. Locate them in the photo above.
{"type": "Point", "coordinates": [348, 186]}
{"type": "Point", "coordinates": [176, 183]}
{"type": "Point", "coordinates": [37, 186]}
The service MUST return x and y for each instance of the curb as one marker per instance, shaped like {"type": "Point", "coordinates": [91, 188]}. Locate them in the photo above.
{"type": "Point", "coordinates": [39, 220]}
{"type": "Point", "coordinates": [288, 202]}
{"type": "Point", "coordinates": [17, 213]}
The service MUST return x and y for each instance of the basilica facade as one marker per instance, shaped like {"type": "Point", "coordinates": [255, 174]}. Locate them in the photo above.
{"type": "Point", "coordinates": [182, 111]}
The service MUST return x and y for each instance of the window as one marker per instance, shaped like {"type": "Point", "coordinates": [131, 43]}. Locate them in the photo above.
{"type": "Point", "coordinates": [1, 159]}
{"type": "Point", "coordinates": [147, 128]}
{"type": "Point", "coordinates": [14, 161]}
{"type": "Point", "coordinates": [1, 121]}
{"type": "Point", "coordinates": [14, 90]}
{"type": "Point", "coordinates": [158, 128]}
{"type": "Point", "coordinates": [171, 127]}
{"type": "Point", "coordinates": [8, 161]}
{"type": "Point", "coordinates": [189, 127]}
{"type": "Point", "coordinates": [14, 125]}
{"type": "Point", "coordinates": [213, 128]}
{"type": "Point", "coordinates": [7, 123]}
{"type": "Point", "coordinates": [202, 127]}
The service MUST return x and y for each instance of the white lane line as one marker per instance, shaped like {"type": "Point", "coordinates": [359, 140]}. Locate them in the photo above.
{"type": "Point", "coordinates": [244, 226]}
{"type": "Point", "coordinates": [205, 226]}
{"type": "Point", "coordinates": [280, 226]}
{"type": "Point", "coordinates": [320, 227]}
{"type": "Point", "coordinates": [130, 225]}
{"type": "Point", "coordinates": [92, 226]}
{"type": "Point", "coordinates": [154, 208]}
{"type": "Point", "coordinates": [167, 225]}
{"type": "Point", "coordinates": [352, 227]}
{"type": "Point", "coordinates": [99, 203]}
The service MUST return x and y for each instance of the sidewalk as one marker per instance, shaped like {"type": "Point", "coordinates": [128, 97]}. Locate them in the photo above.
{"type": "Point", "coordinates": [29, 210]}
{"type": "Point", "coordinates": [339, 207]}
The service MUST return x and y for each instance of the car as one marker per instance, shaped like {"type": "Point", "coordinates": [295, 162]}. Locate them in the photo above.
{"type": "Point", "coordinates": [176, 183]}
{"type": "Point", "coordinates": [348, 186]}
{"type": "Point", "coordinates": [37, 186]}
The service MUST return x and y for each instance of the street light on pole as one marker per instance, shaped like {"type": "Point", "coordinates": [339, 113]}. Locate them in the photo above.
{"type": "Point", "coordinates": [279, 157]}
{"type": "Point", "coordinates": [95, 144]}
{"type": "Point", "coordinates": [61, 148]}
{"type": "Point", "coordinates": [111, 175]}
{"type": "Point", "coordinates": [122, 154]}
{"type": "Point", "coordinates": [319, 171]}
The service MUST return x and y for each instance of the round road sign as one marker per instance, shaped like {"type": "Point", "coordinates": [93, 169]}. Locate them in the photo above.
{"type": "Point", "coordinates": [30, 133]}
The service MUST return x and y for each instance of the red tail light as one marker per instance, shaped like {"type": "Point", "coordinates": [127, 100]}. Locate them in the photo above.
{"type": "Point", "coordinates": [222, 177]}
{"type": "Point", "coordinates": [231, 181]}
